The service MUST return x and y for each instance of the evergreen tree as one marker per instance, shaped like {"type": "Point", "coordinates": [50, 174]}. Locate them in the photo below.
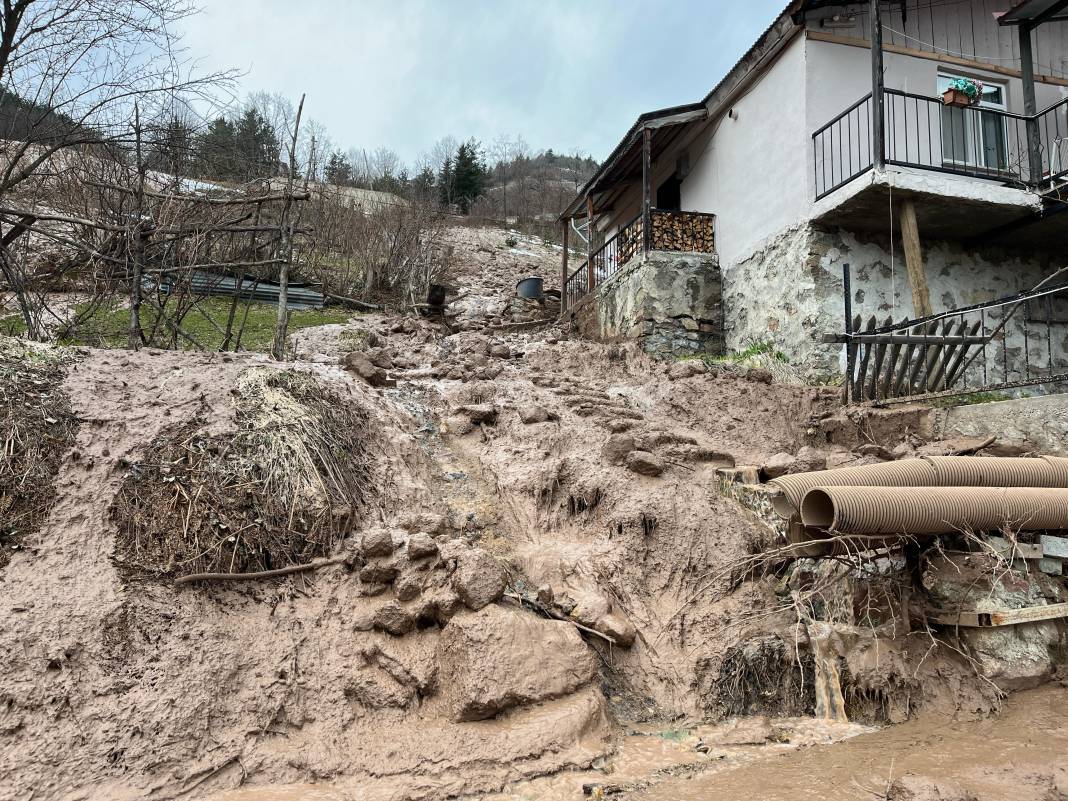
{"type": "Point", "coordinates": [256, 146]}
{"type": "Point", "coordinates": [215, 153]}
{"type": "Point", "coordinates": [446, 182]}
{"type": "Point", "coordinates": [469, 175]}
{"type": "Point", "coordinates": [338, 171]}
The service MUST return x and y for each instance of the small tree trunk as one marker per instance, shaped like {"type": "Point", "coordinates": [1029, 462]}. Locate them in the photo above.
{"type": "Point", "coordinates": [134, 336]}
{"type": "Point", "coordinates": [286, 246]}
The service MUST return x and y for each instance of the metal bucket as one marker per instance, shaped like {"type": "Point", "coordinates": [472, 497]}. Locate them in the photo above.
{"type": "Point", "coordinates": [529, 288]}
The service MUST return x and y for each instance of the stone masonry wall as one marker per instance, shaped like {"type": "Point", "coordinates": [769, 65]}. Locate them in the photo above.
{"type": "Point", "coordinates": [790, 291]}
{"type": "Point", "coordinates": [670, 302]}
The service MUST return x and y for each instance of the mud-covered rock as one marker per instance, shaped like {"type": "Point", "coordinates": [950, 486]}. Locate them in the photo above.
{"type": "Point", "coordinates": [479, 412]}
{"type": "Point", "coordinates": [408, 586]}
{"type": "Point", "coordinates": [421, 545]}
{"type": "Point", "coordinates": [528, 415]}
{"type": "Point", "coordinates": [379, 572]}
{"type": "Point", "coordinates": [644, 463]}
{"type": "Point", "coordinates": [394, 619]}
{"type": "Point", "coordinates": [614, 625]}
{"type": "Point", "coordinates": [911, 787]}
{"type": "Point", "coordinates": [377, 542]}
{"type": "Point", "coordinates": [686, 369]}
{"type": "Point", "coordinates": [357, 362]}
{"type": "Point", "coordinates": [479, 579]}
{"type": "Point", "coordinates": [617, 447]}
{"type": "Point", "coordinates": [500, 658]}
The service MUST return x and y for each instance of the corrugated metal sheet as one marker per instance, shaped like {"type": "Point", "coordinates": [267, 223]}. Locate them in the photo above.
{"type": "Point", "coordinates": [299, 296]}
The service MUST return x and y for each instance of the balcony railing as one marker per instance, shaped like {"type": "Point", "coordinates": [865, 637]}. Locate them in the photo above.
{"type": "Point", "coordinates": [922, 133]}
{"type": "Point", "coordinates": [679, 231]}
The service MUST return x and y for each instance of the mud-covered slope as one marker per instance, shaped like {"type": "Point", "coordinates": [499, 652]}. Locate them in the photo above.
{"type": "Point", "coordinates": [532, 556]}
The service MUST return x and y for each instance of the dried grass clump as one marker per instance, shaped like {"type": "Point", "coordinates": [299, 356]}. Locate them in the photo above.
{"type": "Point", "coordinates": [282, 491]}
{"type": "Point", "coordinates": [37, 427]}
{"type": "Point", "coordinates": [765, 675]}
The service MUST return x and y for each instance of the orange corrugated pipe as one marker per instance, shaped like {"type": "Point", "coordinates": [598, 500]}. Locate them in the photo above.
{"type": "Point", "coordinates": [934, 510]}
{"type": "Point", "coordinates": [931, 471]}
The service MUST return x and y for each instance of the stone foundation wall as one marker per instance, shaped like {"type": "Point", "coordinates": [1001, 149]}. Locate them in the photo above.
{"type": "Point", "coordinates": [670, 302]}
{"type": "Point", "coordinates": [790, 291]}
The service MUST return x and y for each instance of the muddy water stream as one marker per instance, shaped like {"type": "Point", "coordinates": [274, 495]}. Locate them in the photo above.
{"type": "Point", "coordinates": [1012, 757]}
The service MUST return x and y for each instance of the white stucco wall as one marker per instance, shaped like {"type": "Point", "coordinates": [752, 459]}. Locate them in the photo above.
{"type": "Point", "coordinates": [750, 171]}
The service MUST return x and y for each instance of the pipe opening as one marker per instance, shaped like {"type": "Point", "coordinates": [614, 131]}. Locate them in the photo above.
{"type": "Point", "coordinates": [817, 509]}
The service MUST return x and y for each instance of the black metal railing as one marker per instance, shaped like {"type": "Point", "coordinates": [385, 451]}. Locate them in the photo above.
{"type": "Point", "coordinates": [922, 132]}
{"type": "Point", "coordinates": [1011, 342]}
{"type": "Point", "coordinates": [1052, 127]}
{"type": "Point", "coordinates": [624, 245]}
{"type": "Point", "coordinates": [842, 148]}
{"type": "Point", "coordinates": [576, 285]}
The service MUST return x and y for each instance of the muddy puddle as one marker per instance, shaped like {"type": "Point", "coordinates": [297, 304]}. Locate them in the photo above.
{"type": "Point", "coordinates": [1012, 757]}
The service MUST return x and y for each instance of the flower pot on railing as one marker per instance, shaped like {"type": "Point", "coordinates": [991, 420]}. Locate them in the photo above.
{"type": "Point", "coordinates": [963, 92]}
{"type": "Point", "coordinates": [955, 97]}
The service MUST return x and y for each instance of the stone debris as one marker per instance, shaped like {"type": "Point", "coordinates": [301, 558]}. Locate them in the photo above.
{"type": "Point", "coordinates": [530, 414]}
{"type": "Point", "coordinates": [479, 579]}
{"type": "Point", "coordinates": [644, 463]}
{"type": "Point", "coordinates": [499, 658]}
{"type": "Point", "coordinates": [394, 619]}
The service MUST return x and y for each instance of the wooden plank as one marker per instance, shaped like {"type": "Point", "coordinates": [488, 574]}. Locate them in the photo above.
{"type": "Point", "coordinates": [647, 189]}
{"type": "Point", "coordinates": [891, 370]}
{"type": "Point", "coordinates": [1005, 617]}
{"type": "Point", "coordinates": [563, 267]}
{"type": "Point", "coordinates": [942, 58]}
{"type": "Point", "coordinates": [910, 237]}
{"type": "Point", "coordinates": [920, 362]}
{"type": "Point", "coordinates": [958, 364]}
{"type": "Point", "coordinates": [1029, 614]}
{"type": "Point", "coordinates": [952, 330]}
{"type": "Point", "coordinates": [877, 367]}
{"type": "Point", "coordinates": [903, 339]}
{"type": "Point", "coordinates": [862, 370]}
{"type": "Point", "coordinates": [898, 383]}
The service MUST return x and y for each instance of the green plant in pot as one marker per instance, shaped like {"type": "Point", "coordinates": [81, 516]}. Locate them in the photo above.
{"type": "Point", "coordinates": [963, 92]}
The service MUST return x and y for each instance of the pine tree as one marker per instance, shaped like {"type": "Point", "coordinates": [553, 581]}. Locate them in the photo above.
{"type": "Point", "coordinates": [469, 175]}
{"type": "Point", "coordinates": [338, 171]}
{"type": "Point", "coordinates": [215, 151]}
{"type": "Point", "coordinates": [446, 182]}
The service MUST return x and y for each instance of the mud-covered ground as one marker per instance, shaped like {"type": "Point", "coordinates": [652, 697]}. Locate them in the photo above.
{"type": "Point", "coordinates": [539, 565]}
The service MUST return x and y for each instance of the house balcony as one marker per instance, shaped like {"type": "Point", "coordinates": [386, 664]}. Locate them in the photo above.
{"type": "Point", "coordinates": [976, 172]}
{"type": "Point", "coordinates": [669, 232]}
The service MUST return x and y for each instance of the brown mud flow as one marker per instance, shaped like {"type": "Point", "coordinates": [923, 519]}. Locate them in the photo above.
{"type": "Point", "coordinates": [529, 576]}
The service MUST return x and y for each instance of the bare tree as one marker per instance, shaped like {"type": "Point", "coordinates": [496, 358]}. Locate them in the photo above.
{"type": "Point", "coordinates": [71, 72]}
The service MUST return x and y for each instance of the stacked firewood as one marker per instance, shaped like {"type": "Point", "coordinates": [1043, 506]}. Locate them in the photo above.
{"type": "Point", "coordinates": [684, 231]}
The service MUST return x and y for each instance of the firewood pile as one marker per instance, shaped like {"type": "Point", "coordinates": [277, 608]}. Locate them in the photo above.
{"type": "Point", "coordinates": [685, 231]}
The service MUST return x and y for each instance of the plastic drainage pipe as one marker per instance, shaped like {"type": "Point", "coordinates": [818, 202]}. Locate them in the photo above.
{"type": "Point", "coordinates": [934, 510]}
{"type": "Point", "coordinates": [931, 471]}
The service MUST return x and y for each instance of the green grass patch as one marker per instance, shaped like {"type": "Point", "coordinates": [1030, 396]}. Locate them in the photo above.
{"type": "Point", "coordinates": [107, 327]}
{"type": "Point", "coordinates": [751, 353]}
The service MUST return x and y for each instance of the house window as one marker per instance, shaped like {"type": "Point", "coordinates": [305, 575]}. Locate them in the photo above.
{"type": "Point", "coordinates": [972, 137]}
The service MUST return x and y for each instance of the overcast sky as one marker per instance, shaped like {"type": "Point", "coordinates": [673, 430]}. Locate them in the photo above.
{"type": "Point", "coordinates": [565, 74]}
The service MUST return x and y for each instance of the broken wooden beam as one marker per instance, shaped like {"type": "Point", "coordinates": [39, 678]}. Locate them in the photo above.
{"type": "Point", "coordinates": [1004, 617]}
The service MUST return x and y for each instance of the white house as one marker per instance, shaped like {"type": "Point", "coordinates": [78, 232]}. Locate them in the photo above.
{"type": "Point", "coordinates": [818, 150]}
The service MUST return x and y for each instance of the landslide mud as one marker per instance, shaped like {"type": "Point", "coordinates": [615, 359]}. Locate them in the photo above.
{"type": "Point", "coordinates": [508, 472]}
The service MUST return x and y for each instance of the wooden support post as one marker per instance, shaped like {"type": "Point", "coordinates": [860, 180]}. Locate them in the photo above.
{"type": "Point", "coordinates": [563, 267]}
{"type": "Point", "coordinates": [592, 279]}
{"type": "Point", "coordinates": [910, 237]}
{"type": "Point", "coordinates": [1027, 75]}
{"type": "Point", "coordinates": [647, 190]}
{"type": "Point", "coordinates": [878, 110]}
